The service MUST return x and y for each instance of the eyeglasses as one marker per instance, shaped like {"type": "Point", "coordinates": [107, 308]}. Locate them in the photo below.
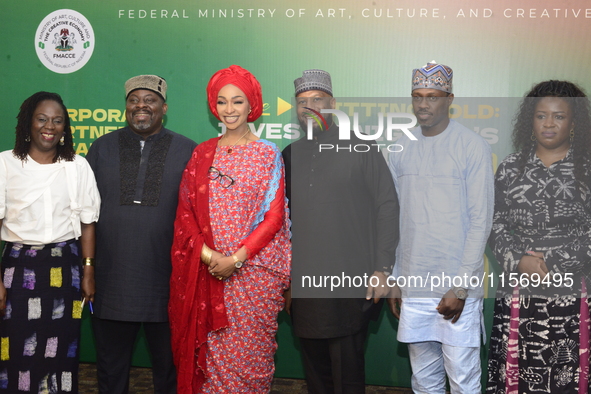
{"type": "Point", "coordinates": [225, 180]}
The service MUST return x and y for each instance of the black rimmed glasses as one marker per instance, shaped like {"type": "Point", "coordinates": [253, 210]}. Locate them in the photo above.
{"type": "Point", "coordinates": [225, 180]}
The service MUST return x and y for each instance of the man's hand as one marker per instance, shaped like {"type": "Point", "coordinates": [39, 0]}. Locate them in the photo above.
{"type": "Point", "coordinates": [450, 306]}
{"type": "Point", "coordinates": [381, 289]}
{"type": "Point", "coordinates": [395, 301]}
{"type": "Point", "coordinates": [287, 297]}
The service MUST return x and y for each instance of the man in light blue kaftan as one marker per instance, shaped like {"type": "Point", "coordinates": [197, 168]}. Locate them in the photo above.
{"type": "Point", "coordinates": [444, 181]}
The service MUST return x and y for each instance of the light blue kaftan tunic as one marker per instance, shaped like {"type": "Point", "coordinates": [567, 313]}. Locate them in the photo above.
{"type": "Point", "coordinates": [445, 187]}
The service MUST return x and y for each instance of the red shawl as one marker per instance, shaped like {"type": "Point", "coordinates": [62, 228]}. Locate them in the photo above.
{"type": "Point", "coordinates": [196, 298]}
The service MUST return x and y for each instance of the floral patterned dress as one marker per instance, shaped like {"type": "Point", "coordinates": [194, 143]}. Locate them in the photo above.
{"type": "Point", "coordinates": [239, 355]}
{"type": "Point", "coordinates": [540, 334]}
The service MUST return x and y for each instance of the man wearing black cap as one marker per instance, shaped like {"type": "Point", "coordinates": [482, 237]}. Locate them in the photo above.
{"type": "Point", "coordinates": [138, 170]}
{"type": "Point", "coordinates": [343, 204]}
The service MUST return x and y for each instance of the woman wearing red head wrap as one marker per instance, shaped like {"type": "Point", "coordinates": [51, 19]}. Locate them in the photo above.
{"type": "Point", "coordinates": [231, 254]}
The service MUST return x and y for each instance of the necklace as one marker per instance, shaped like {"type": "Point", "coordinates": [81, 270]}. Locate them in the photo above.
{"type": "Point", "coordinates": [229, 150]}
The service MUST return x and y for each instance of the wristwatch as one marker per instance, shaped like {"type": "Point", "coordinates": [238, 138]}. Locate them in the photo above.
{"type": "Point", "coordinates": [460, 293]}
{"type": "Point", "coordinates": [237, 263]}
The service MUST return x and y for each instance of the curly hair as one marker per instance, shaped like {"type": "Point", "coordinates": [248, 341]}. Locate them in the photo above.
{"type": "Point", "coordinates": [25, 121]}
{"type": "Point", "coordinates": [579, 105]}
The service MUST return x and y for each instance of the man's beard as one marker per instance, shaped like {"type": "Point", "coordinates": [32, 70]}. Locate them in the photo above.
{"type": "Point", "coordinates": [142, 126]}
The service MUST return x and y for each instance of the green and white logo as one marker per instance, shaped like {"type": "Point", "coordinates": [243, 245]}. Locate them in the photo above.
{"type": "Point", "coordinates": [64, 41]}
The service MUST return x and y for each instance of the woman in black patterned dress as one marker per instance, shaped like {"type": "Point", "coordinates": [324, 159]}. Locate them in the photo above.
{"type": "Point", "coordinates": [541, 237]}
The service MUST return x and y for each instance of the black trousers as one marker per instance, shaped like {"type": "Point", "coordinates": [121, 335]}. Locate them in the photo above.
{"type": "Point", "coordinates": [335, 365]}
{"type": "Point", "coordinates": [114, 348]}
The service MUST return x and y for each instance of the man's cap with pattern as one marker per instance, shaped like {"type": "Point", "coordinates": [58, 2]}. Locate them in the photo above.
{"type": "Point", "coordinates": [150, 82]}
{"type": "Point", "coordinates": [313, 80]}
{"type": "Point", "coordinates": [433, 76]}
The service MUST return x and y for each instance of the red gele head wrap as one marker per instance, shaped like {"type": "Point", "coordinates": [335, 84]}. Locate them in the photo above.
{"type": "Point", "coordinates": [245, 81]}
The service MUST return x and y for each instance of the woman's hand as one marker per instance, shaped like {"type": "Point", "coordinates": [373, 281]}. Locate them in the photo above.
{"type": "Point", "coordinates": [88, 243]}
{"type": "Point", "coordinates": [221, 266]}
{"type": "Point", "coordinates": [2, 299]}
{"type": "Point", "coordinates": [533, 263]}
{"type": "Point", "coordinates": [88, 287]}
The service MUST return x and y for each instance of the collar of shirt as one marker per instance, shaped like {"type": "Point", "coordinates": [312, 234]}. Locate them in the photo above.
{"type": "Point", "coordinates": [535, 160]}
{"type": "Point", "coordinates": [163, 132]}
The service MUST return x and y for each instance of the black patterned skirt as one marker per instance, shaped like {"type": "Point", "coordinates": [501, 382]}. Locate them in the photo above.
{"type": "Point", "coordinates": [40, 331]}
{"type": "Point", "coordinates": [551, 345]}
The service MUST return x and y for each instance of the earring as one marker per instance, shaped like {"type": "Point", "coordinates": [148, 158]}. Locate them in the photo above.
{"type": "Point", "coordinates": [533, 136]}
{"type": "Point", "coordinates": [62, 141]}
{"type": "Point", "coordinates": [572, 135]}
{"type": "Point", "coordinates": [28, 138]}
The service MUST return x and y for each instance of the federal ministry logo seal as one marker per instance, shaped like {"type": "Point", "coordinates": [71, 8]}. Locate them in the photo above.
{"type": "Point", "coordinates": [64, 41]}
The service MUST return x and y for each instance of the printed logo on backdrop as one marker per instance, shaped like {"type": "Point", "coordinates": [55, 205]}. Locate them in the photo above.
{"type": "Point", "coordinates": [322, 123]}
{"type": "Point", "coordinates": [64, 41]}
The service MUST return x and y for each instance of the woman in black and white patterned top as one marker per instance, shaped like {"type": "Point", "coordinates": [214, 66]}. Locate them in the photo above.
{"type": "Point", "coordinates": [541, 237]}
